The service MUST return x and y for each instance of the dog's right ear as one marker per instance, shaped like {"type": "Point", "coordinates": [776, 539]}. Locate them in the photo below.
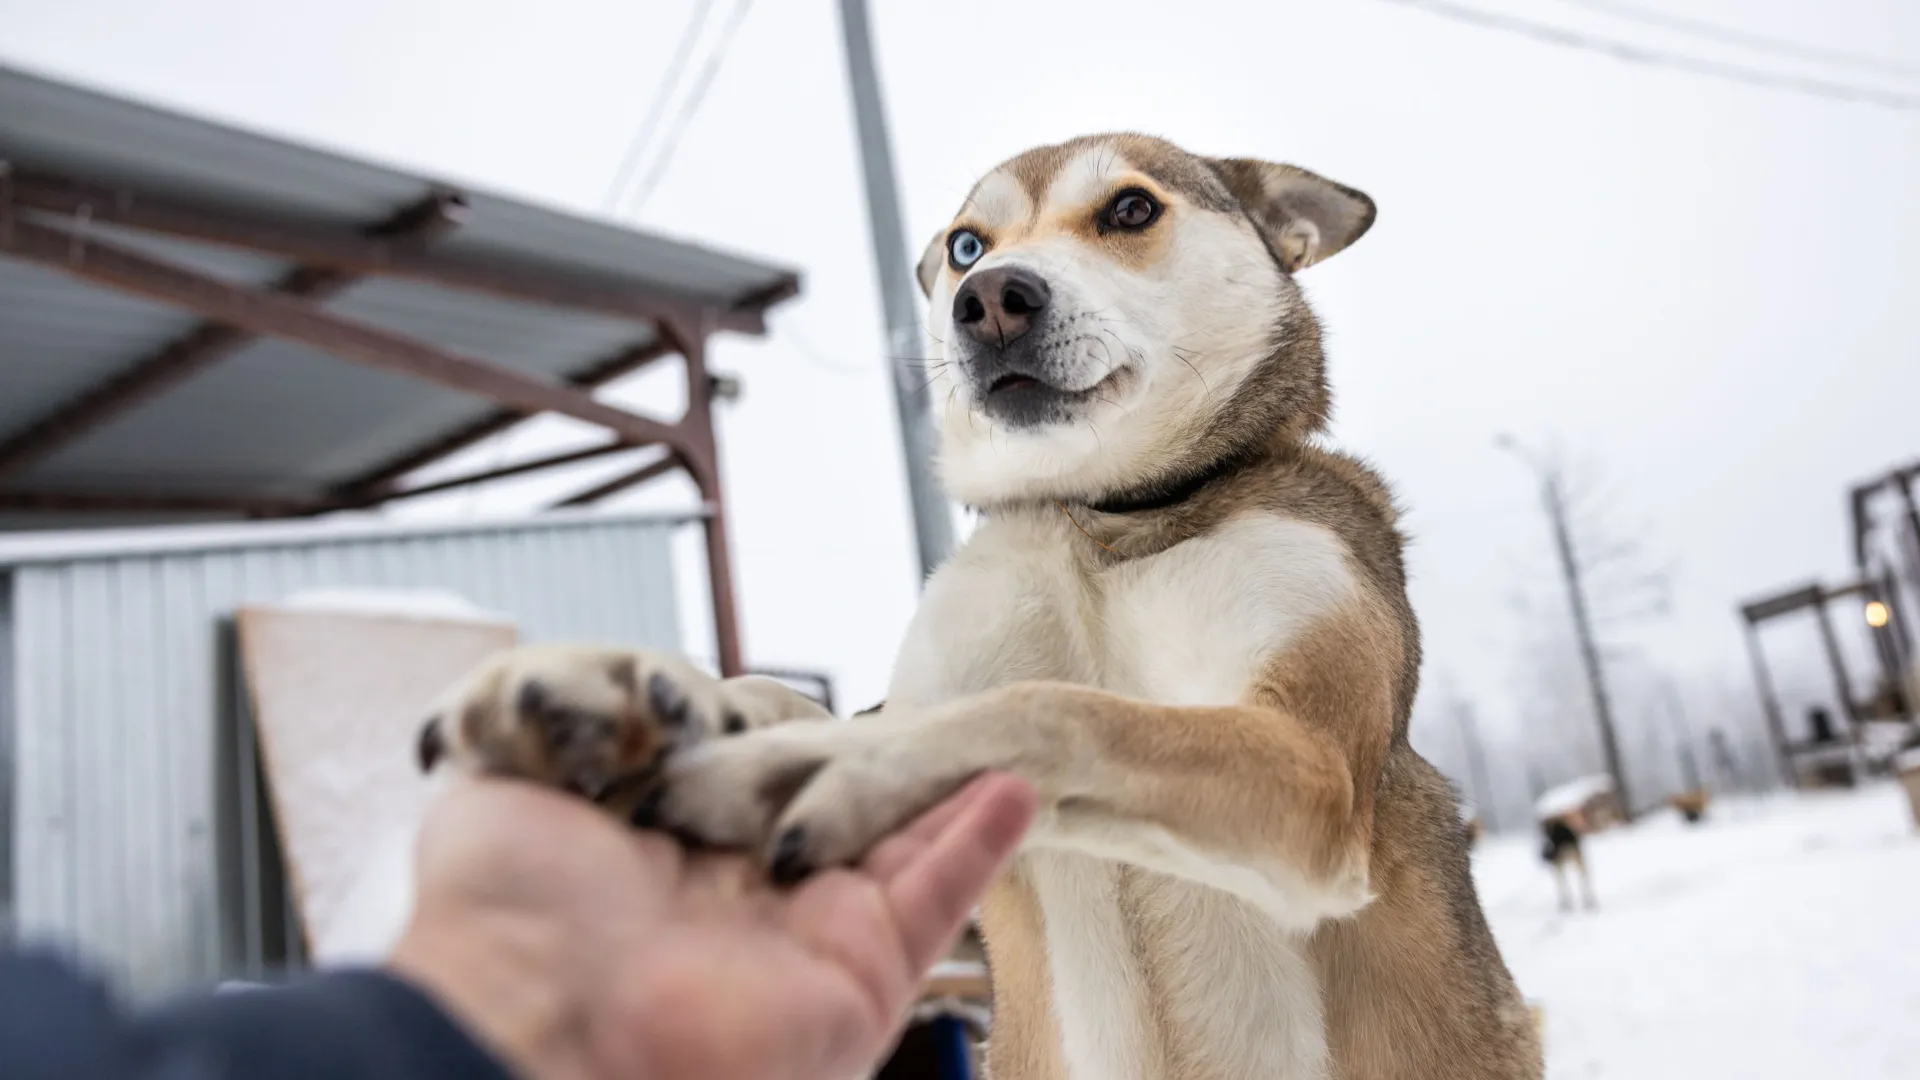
{"type": "Point", "coordinates": [432, 745]}
{"type": "Point", "coordinates": [930, 262]}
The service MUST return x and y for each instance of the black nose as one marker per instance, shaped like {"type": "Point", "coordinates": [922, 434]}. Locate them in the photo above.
{"type": "Point", "coordinates": [996, 306]}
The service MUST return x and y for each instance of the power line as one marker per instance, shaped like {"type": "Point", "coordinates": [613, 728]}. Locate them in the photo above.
{"type": "Point", "coordinates": [643, 135]}
{"type": "Point", "coordinates": [1620, 50]}
{"type": "Point", "coordinates": [817, 358]}
{"type": "Point", "coordinates": [698, 95]}
{"type": "Point", "coordinates": [1746, 38]}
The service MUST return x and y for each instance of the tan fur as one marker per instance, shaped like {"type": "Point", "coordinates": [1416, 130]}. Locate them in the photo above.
{"type": "Point", "coordinates": [1187, 626]}
{"type": "Point", "coordinates": [1026, 1035]}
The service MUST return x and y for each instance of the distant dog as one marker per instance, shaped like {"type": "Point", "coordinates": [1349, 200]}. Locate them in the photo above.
{"type": "Point", "coordinates": [1691, 806]}
{"type": "Point", "coordinates": [1562, 852]}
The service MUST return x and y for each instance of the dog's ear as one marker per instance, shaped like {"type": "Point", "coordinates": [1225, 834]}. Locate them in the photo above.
{"type": "Point", "coordinates": [1304, 218]}
{"type": "Point", "coordinates": [930, 262]}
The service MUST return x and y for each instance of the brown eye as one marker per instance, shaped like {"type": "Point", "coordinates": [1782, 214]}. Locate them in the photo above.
{"type": "Point", "coordinates": [1131, 209]}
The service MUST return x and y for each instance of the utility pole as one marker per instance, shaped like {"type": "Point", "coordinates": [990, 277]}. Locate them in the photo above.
{"type": "Point", "coordinates": [1582, 623]}
{"type": "Point", "coordinates": [1476, 763]}
{"type": "Point", "coordinates": [932, 518]}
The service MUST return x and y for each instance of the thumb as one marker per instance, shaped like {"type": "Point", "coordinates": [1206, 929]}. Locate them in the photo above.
{"type": "Point", "coordinates": [932, 894]}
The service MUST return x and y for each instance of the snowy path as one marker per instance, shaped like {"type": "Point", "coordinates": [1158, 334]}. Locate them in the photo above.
{"type": "Point", "coordinates": [1780, 939]}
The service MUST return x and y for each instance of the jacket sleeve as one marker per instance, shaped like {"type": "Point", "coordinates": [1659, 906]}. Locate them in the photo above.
{"type": "Point", "coordinates": [57, 1023]}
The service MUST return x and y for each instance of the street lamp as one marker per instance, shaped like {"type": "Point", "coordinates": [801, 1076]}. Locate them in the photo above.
{"type": "Point", "coordinates": [1877, 614]}
{"type": "Point", "coordinates": [1582, 624]}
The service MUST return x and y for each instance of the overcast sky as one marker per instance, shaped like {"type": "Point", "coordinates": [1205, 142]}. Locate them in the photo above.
{"type": "Point", "coordinates": [1703, 290]}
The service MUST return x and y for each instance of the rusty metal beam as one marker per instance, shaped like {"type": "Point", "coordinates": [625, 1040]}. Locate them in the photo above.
{"type": "Point", "coordinates": [210, 342]}
{"type": "Point", "coordinates": [554, 461]}
{"type": "Point", "coordinates": [296, 320]}
{"type": "Point", "coordinates": [702, 452]}
{"type": "Point", "coordinates": [381, 482]}
{"type": "Point", "coordinates": [1758, 611]}
{"type": "Point", "coordinates": [150, 502]}
{"type": "Point", "coordinates": [632, 478]}
{"type": "Point", "coordinates": [320, 244]}
{"type": "Point", "coordinates": [264, 506]}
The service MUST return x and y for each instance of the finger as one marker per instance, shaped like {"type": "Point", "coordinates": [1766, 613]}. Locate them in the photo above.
{"type": "Point", "coordinates": [933, 893]}
{"type": "Point", "coordinates": [891, 854]}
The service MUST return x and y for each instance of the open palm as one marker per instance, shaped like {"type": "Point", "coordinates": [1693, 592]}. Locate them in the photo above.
{"type": "Point", "coordinates": [674, 965]}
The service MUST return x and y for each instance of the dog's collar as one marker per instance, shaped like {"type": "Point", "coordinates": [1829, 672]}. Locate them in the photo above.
{"type": "Point", "coordinates": [1175, 491]}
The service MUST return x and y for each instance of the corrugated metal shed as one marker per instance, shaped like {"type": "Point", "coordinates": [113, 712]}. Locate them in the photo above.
{"type": "Point", "coordinates": [279, 420]}
{"type": "Point", "coordinates": [116, 698]}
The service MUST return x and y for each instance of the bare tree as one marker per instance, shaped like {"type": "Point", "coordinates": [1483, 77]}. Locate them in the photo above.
{"type": "Point", "coordinates": [1610, 585]}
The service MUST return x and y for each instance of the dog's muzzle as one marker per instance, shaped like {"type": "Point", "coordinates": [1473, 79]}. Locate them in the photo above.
{"type": "Point", "coordinates": [1004, 312]}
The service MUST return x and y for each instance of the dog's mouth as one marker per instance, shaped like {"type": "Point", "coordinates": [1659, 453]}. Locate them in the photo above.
{"type": "Point", "coordinates": [1015, 382]}
{"type": "Point", "coordinates": [1023, 400]}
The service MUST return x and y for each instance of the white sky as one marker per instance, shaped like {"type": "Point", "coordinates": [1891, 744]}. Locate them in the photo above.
{"type": "Point", "coordinates": [1704, 290]}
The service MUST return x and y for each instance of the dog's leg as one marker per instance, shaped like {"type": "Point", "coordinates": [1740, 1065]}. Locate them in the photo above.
{"type": "Point", "coordinates": [1560, 883]}
{"type": "Point", "coordinates": [1586, 881]}
{"type": "Point", "coordinates": [1254, 799]}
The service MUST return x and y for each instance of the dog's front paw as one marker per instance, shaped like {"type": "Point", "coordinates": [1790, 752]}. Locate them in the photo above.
{"type": "Point", "coordinates": [808, 797]}
{"type": "Point", "coordinates": [597, 722]}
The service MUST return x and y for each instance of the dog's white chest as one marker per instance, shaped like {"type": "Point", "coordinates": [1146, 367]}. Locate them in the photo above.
{"type": "Point", "coordinates": [1013, 604]}
{"type": "Point", "coordinates": [1229, 995]}
{"type": "Point", "coordinates": [1188, 626]}
{"type": "Point", "coordinates": [1193, 625]}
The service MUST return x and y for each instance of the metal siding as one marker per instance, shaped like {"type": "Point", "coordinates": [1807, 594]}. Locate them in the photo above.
{"type": "Point", "coordinates": [6, 755]}
{"type": "Point", "coordinates": [122, 826]}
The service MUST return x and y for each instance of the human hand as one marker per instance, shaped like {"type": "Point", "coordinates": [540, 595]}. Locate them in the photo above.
{"type": "Point", "coordinates": [578, 949]}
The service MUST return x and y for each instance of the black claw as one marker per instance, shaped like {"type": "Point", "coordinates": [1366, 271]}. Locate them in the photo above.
{"type": "Point", "coordinates": [688, 839]}
{"type": "Point", "coordinates": [789, 863]}
{"type": "Point", "coordinates": [431, 746]}
{"type": "Point", "coordinates": [669, 704]}
{"type": "Point", "coordinates": [533, 698]}
{"type": "Point", "coordinates": [647, 814]}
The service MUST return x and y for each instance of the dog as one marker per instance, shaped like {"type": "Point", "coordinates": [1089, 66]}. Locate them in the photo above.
{"type": "Point", "coordinates": [1181, 618]}
{"type": "Point", "coordinates": [1562, 852]}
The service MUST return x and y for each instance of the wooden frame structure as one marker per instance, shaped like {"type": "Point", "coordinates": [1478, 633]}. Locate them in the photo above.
{"type": "Point", "coordinates": [1818, 598]}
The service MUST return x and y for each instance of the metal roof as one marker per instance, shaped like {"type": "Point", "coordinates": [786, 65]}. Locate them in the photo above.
{"type": "Point", "coordinates": [277, 419]}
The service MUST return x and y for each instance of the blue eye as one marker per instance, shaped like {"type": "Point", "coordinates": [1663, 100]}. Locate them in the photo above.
{"type": "Point", "coordinates": [964, 248]}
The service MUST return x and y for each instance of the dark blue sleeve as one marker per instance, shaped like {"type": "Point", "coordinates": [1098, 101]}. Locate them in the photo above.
{"type": "Point", "coordinates": [57, 1023]}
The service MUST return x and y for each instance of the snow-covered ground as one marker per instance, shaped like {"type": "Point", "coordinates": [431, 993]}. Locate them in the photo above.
{"type": "Point", "coordinates": [1778, 939]}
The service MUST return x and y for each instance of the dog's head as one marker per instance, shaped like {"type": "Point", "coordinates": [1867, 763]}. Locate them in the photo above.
{"type": "Point", "coordinates": [1115, 311]}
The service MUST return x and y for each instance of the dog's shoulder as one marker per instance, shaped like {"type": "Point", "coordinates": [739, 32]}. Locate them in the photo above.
{"type": "Point", "coordinates": [1341, 493]}
{"type": "Point", "coordinates": [1346, 496]}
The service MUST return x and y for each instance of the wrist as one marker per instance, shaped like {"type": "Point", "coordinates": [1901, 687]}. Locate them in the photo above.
{"type": "Point", "coordinates": [503, 979]}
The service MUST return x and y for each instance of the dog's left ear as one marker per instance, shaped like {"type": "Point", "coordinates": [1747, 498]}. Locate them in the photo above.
{"type": "Point", "coordinates": [1305, 218]}
{"type": "Point", "coordinates": [930, 262]}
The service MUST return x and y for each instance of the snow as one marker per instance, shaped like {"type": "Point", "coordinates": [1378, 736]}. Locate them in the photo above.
{"type": "Point", "coordinates": [402, 603]}
{"type": "Point", "coordinates": [374, 909]}
{"type": "Point", "coordinates": [1571, 795]}
{"type": "Point", "coordinates": [1775, 940]}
